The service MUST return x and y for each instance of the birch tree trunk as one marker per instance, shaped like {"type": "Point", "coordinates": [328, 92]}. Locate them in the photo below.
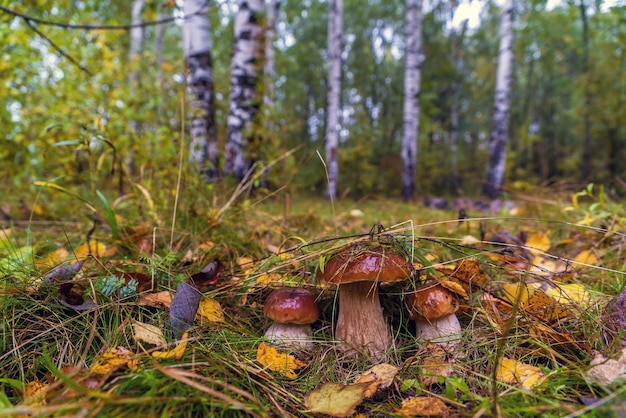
{"type": "Point", "coordinates": [492, 187]}
{"type": "Point", "coordinates": [134, 51]}
{"type": "Point", "coordinates": [457, 36]}
{"type": "Point", "coordinates": [244, 75]}
{"type": "Point", "coordinates": [335, 34]}
{"type": "Point", "coordinates": [203, 152]}
{"type": "Point", "coordinates": [412, 80]}
{"type": "Point", "coordinates": [270, 55]}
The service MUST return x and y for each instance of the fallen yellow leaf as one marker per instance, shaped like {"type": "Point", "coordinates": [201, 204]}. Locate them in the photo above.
{"type": "Point", "coordinates": [148, 333]}
{"type": "Point", "coordinates": [114, 359]}
{"type": "Point", "coordinates": [210, 310]}
{"type": "Point", "coordinates": [380, 376]}
{"type": "Point", "coordinates": [586, 257]}
{"type": "Point", "coordinates": [516, 373]}
{"type": "Point", "coordinates": [267, 279]}
{"type": "Point", "coordinates": [98, 249]}
{"type": "Point", "coordinates": [278, 362]}
{"type": "Point", "coordinates": [425, 406]}
{"type": "Point", "coordinates": [538, 243]}
{"type": "Point", "coordinates": [569, 293]}
{"type": "Point", "coordinates": [35, 393]}
{"type": "Point", "coordinates": [176, 352]}
{"type": "Point", "coordinates": [335, 399]}
{"type": "Point", "coordinates": [52, 259]}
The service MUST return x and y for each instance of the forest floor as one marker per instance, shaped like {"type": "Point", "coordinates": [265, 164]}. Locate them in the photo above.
{"type": "Point", "coordinates": [88, 290]}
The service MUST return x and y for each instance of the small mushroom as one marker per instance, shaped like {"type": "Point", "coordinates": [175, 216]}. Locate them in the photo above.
{"type": "Point", "coordinates": [357, 269]}
{"type": "Point", "coordinates": [293, 310]}
{"type": "Point", "coordinates": [433, 307]}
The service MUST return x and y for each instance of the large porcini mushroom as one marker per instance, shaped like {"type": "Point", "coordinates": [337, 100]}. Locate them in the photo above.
{"type": "Point", "coordinates": [357, 269]}
{"type": "Point", "coordinates": [293, 310]}
{"type": "Point", "coordinates": [433, 307]}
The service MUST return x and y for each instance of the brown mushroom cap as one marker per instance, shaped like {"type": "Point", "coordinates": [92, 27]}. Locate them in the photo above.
{"type": "Point", "coordinates": [361, 262]}
{"type": "Point", "coordinates": [432, 301]}
{"type": "Point", "coordinates": [291, 306]}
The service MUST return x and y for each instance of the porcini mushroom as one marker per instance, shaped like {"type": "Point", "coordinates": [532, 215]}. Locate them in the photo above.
{"type": "Point", "coordinates": [433, 307]}
{"type": "Point", "coordinates": [357, 269]}
{"type": "Point", "coordinates": [293, 310]}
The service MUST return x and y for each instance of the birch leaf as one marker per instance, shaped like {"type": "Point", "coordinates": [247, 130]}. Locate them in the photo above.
{"type": "Point", "coordinates": [424, 406]}
{"type": "Point", "coordinates": [210, 310]}
{"type": "Point", "coordinates": [148, 333]}
{"type": "Point", "coordinates": [538, 243]}
{"type": "Point", "coordinates": [176, 352]}
{"type": "Point", "coordinates": [586, 257]}
{"type": "Point", "coordinates": [516, 373]}
{"type": "Point", "coordinates": [278, 362]}
{"type": "Point", "coordinates": [113, 359]}
{"type": "Point", "coordinates": [35, 393]}
{"type": "Point", "coordinates": [335, 399]}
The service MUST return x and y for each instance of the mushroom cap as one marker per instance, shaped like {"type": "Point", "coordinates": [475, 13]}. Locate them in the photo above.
{"type": "Point", "coordinates": [291, 306]}
{"type": "Point", "coordinates": [432, 301]}
{"type": "Point", "coordinates": [362, 262]}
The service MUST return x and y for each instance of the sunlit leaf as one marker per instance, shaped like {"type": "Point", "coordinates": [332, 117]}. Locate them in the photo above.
{"type": "Point", "coordinates": [148, 333]}
{"type": "Point", "coordinates": [176, 352]}
{"type": "Point", "coordinates": [378, 377]}
{"type": "Point", "coordinates": [424, 406]}
{"type": "Point", "coordinates": [569, 293]}
{"type": "Point", "coordinates": [98, 249]}
{"type": "Point", "coordinates": [52, 259]}
{"type": "Point", "coordinates": [267, 279]}
{"type": "Point", "coordinates": [210, 310]}
{"type": "Point", "coordinates": [515, 373]}
{"type": "Point", "coordinates": [335, 399]}
{"type": "Point", "coordinates": [278, 362]}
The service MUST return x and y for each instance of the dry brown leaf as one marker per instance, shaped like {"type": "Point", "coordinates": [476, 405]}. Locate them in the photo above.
{"type": "Point", "coordinates": [436, 362]}
{"type": "Point", "coordinates": [425, 406]}
{"type": "Point", "coordinates": [157, 300]}
{"type": "Point", "coordinates": [148, 333]}
{"type": "Point", "coordinates": [378, 377]}
{"type": "Point", "coordinates": [605, 371]}
{"type": "Point", "coordinates": [335, 399]}
{"type": "Point", "coordinates": [278, 362]}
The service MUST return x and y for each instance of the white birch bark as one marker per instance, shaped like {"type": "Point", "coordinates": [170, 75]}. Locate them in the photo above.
{"type": "Point", "coordinates": [335, 34]}
{"type": "Point", "coordinates": [270, 54]}
{"type": "Point", "coordinates": [412, 80]}
{"type": "Point", "coordinates": [244, 75]}
{"type": "Point", "coordinates": [492, 186]}
{"type": "Point", "coordinates": [203, 152]}
{"type": "Point", "coordinates": [134, 51]}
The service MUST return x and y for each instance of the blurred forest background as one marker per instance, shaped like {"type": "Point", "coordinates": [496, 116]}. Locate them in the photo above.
{"type": "Point", "coordinates": [79, 99]}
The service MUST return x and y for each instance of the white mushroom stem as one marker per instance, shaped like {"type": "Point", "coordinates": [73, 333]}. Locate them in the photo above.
{"type": "Point", "coordinates": [360, 323]}
{"type": "Point", "coordinates": [294, 336]}
{"type": "Point", "coordinates": [444, 330]}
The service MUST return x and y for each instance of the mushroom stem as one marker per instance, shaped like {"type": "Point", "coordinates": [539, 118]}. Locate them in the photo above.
{"type": "Point", "coordinates": [290, 335]}
{"type": "Point", "coordinates": [360, 323]}
{"type": "Point", "coordinates": [445, 330]}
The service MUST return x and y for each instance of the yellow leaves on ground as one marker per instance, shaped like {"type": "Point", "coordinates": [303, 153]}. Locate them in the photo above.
{"type": "Point", "coordinates": [538, 243]}
{"type": "Point", "coordinates": [586, 257]}
{"type": "Point", "coordinates": [210, 310]}
{"type": "Point", "coordinates": [96, 248]}
{"type": "Point", "coordinates": [424, 406]}
{"type": "Point", "coordinates": [515, 373]}
{"type": "Point", "coordinates": [380, 376]}
{"type": "Point", "coordinates": [148, 333]}
{"type": "Point", "coordinates": [52, 259]}
{"type": "Point", "coordinates": [113, 359]}
{"type": "Point", "coordinates": [531, 299]}
{"type": "Point", "coordinates": [278, 362]}
{"type": "Point", "coordinates": [34, 393]}
{"type": "Point", "coordinates": [335, 399]}
{"type": "Point", "coordinates": [176, 352]}
{"type": "Point", "coordinates": [267, 279]}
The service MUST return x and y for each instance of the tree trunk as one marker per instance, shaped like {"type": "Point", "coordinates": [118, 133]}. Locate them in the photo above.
{"type": "Point", "coordinates": [587, 152]}
{"type": "Point", "coordinates": [412, 79]}
{"type": "Point", "coordinates": [335, 34]}
{"type": "Point", "coordinates": [134, 51]}
{"type": "Point", "coordinates": [203, 152]}
{"type": "Point", "coordinates": [492, 187]}
{"type": "Point", "coordinates": [270, 55]}
{"type": "Point", "coordinates": [244, 103]}
{"type": "Point", "coordinates": [456, 39]}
